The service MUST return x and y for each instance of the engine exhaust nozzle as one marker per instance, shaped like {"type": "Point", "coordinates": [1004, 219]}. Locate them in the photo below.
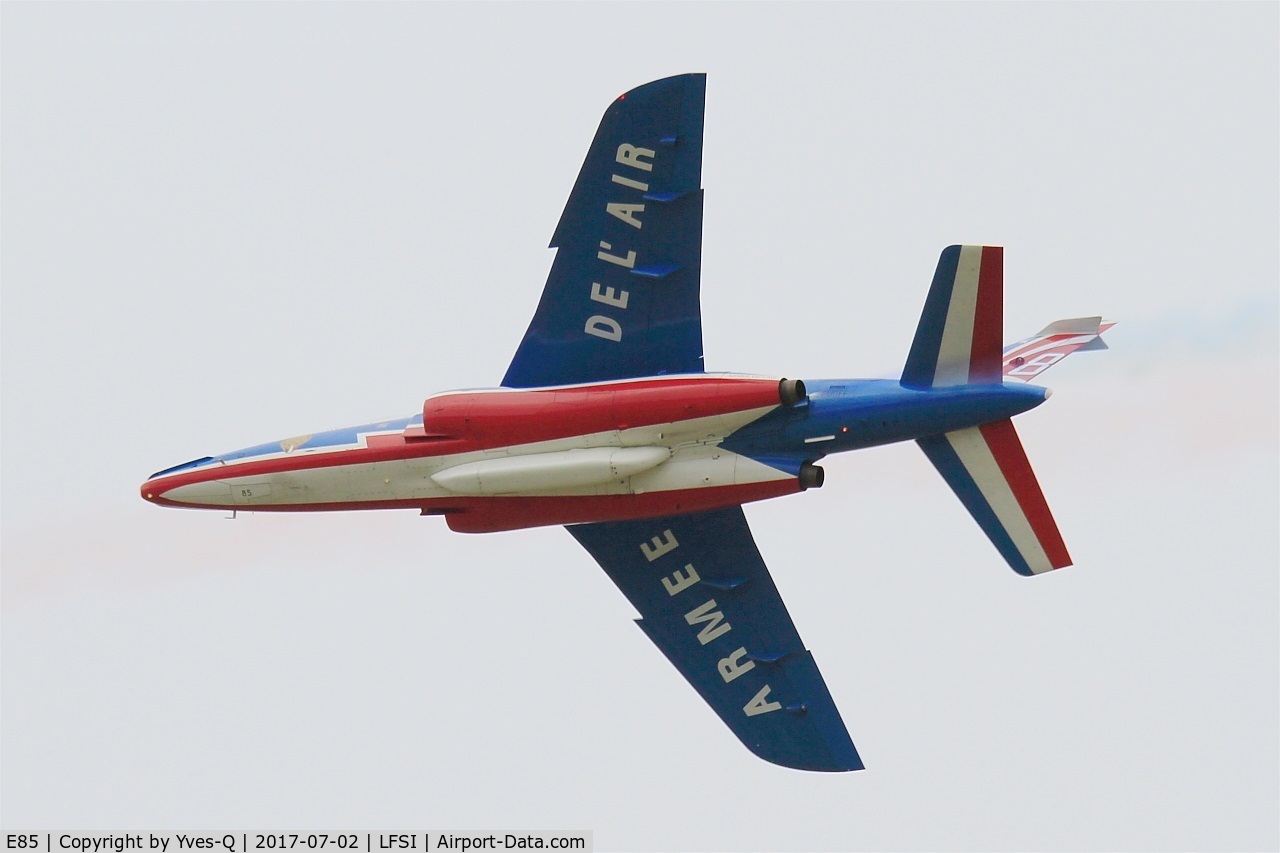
{"type": "Point", "coordinates": [811, 476]}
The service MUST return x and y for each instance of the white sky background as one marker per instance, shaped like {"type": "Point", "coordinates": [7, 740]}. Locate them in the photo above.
{"type": "Point", "coordinates": [228, 223]}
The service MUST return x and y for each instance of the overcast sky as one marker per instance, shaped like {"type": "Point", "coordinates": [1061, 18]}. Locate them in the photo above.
{"type": "Point", "coordinates": [228, 223]}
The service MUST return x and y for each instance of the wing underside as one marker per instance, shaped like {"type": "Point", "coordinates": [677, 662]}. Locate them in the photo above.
{"type": "Point", "coordinates": [707, 601]}
{"type": "Point", "coordinates": [622, 297]}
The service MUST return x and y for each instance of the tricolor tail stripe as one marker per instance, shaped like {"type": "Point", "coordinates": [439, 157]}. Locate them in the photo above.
{"type": "Point", "coordinates": [988, 470]}
{"type": "Point", "coordinates": [958, 340]}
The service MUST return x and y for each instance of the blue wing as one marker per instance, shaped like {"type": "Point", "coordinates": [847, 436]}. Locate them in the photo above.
{"type": "Point", "coordinates": [622, 297]}
{"type": "Point", "coordinates": [707, 601]}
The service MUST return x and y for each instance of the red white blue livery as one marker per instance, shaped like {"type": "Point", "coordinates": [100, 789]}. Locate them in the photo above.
{"type": "Point", "coordinates": [606, 422]}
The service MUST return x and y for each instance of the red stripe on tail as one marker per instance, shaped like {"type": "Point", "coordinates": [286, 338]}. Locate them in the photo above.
{"type": "Point", "coordinates": [988, 318]}
{"type": "Point", "coordinates": [1012, 459]}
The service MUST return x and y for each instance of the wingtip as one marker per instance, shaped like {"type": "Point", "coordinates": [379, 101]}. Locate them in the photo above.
{"type": "Point", "coordinates": [833, 764]}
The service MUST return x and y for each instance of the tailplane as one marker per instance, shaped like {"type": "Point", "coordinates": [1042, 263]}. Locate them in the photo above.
{"type": "Point", "coordinates": [958, 342]}
{"type": "Point", "coordinates": [988, 470]}
{"type": "Point", "coordinates": [959, 336]}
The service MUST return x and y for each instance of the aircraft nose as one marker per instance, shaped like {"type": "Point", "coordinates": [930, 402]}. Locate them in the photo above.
{"type": "Point", "coordinates": [154, 491]}
{"type": "Point", "coordinates": [158, 486]}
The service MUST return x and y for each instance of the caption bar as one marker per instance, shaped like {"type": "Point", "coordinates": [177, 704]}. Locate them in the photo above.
{"type": "Point", "coordinates": [254, 842]}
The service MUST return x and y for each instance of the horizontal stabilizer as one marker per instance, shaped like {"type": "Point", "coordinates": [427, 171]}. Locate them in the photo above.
{"type": "Point", "coordinates": [958, 338]}
{"type": "Point", "coordinates": [988, 470]}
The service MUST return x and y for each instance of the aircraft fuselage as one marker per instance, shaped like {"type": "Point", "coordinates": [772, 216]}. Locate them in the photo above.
{"type": "Point", "coordinates": [500, 459]}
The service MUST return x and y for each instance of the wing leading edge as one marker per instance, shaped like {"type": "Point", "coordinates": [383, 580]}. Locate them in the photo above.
{"type": "Point", "coordinates": [622, 297]}
{"type": "Point", "coordinates": [707, 601]}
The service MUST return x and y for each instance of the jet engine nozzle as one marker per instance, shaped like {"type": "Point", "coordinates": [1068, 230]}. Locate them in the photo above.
{"type": "Point", "coordinates": [792, 392]}
{"type": "Point", "coordinates": [811, 476]}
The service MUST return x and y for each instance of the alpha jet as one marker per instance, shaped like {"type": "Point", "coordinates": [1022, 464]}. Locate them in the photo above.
{"type": "Point", "coordinates": [607, 423]}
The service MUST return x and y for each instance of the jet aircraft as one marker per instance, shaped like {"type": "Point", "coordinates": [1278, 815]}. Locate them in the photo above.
{"type": "Point", "coordinates": [607, 423]}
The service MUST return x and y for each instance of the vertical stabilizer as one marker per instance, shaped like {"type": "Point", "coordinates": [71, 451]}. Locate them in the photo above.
{"type": "Point", "coordinates": [1027, 359]}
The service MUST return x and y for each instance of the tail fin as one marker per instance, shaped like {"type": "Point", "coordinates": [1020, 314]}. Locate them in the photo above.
{"type": "Point", "coordinates": [1027, 359]}
{"type": "Point", "coordinates": [988, 470]}
{"type": "Point", "coordinates": [959, 336]}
